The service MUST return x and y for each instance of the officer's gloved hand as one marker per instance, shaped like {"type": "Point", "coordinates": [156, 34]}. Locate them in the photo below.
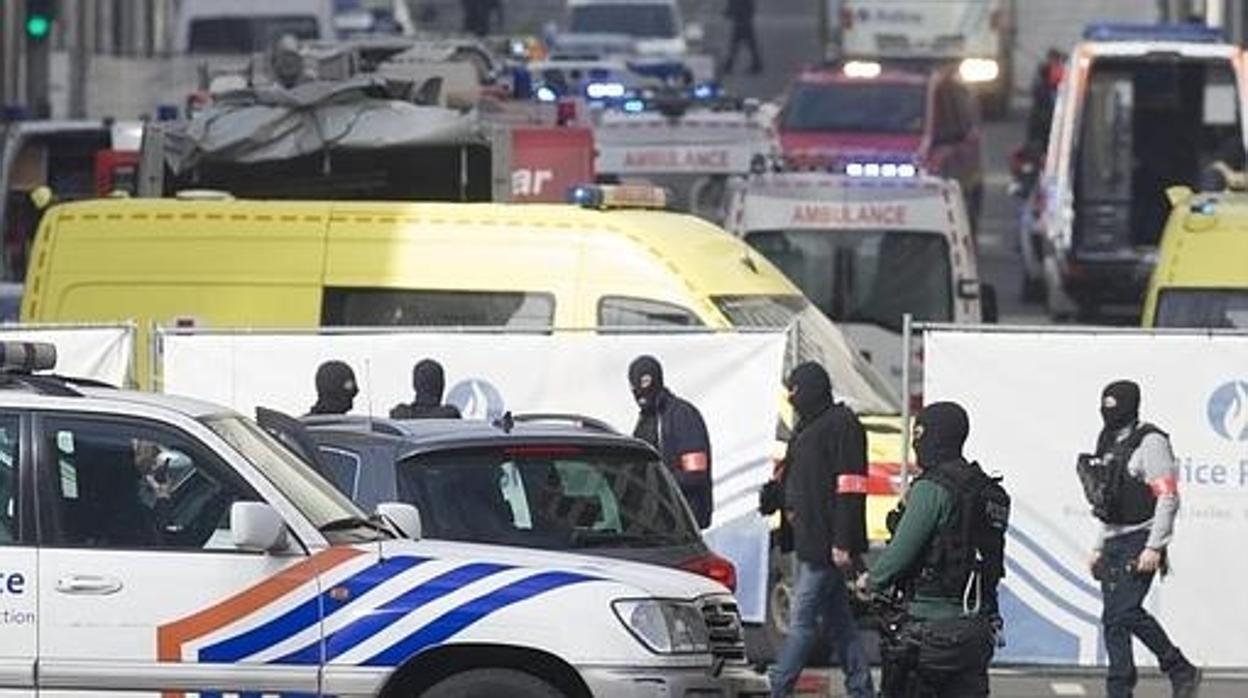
{"type": "Point", "coordinates": [771, 498]}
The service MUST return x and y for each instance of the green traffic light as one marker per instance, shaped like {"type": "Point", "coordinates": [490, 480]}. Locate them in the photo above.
{"type": "Point", "coordinates": [38, 26]}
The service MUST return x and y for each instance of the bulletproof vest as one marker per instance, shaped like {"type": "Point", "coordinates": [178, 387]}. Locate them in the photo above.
{"type": "Point", "coordinates": [1123, 500]}
{"type": "Point", "coordinates": [966, 557]}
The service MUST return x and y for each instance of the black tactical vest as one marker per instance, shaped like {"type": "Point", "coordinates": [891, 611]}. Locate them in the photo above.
{"type": "Point", "coordinates": [1128, 500]}
{"type": "Point", "coordinates": [971, 541]}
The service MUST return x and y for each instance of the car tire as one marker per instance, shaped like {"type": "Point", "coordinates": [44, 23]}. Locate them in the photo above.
{"type": "Point", "coordinates": [490, 683]}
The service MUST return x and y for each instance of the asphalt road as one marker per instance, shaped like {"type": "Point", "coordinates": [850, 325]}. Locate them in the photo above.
{"type": "Point", "coordinates": [1029, 684]}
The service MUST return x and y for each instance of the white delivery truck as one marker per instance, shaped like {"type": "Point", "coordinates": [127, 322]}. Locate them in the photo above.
{"type": "Point", "coordinates": [977, 35]}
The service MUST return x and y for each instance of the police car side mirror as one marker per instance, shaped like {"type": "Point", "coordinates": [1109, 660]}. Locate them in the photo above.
{"type": "Point", "coordinates": [404, 517]}
{"type": "Point", "coordinates": [257, 526]}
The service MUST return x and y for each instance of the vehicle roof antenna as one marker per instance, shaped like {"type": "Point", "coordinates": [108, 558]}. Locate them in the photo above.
{"type": "Point", "coordinates": [505, 422]}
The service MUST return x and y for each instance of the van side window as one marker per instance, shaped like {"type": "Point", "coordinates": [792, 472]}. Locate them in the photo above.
{"type": "Point", "coordinates": [621, 311]}
{"type": "Point", "coordinates": [365, 307]}
{"type": "Point", "coordinates": [131, 486]}
{"type": "Point", "coordinates": [9, 459]}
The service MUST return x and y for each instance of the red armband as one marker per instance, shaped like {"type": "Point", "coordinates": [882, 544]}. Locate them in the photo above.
{"type": "Point", "coordinates": [851, 484]}
{"type": "Point", "coordinates": [1164, 486]}
{"type": "Point", "coordinates": [694, 462]}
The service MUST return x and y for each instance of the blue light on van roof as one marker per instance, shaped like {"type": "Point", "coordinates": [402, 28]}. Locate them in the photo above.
{"type": "Point", "coordinates": [1187, 33]}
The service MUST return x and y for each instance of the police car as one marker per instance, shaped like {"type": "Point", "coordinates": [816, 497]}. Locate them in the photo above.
{"type": "Point", "coordinates": [154, 543]}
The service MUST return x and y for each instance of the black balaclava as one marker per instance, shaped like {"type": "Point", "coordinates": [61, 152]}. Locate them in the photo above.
{"type": "Point", "coordinates": [1120, 405]}
{"type": "Point", "coordinates": [942, 427]}
{"type": "Point", "coordinates": [810, 390]}
{"type": "Point", "coordinates": [645, 375]}
{"type": "Point", "coordinates": [335, 388]}
{"type": "Point", "coordinates": [429, 382]}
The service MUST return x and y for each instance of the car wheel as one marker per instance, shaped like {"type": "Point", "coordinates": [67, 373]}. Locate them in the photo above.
{"type": "Point", "coordinates": [491, 683]}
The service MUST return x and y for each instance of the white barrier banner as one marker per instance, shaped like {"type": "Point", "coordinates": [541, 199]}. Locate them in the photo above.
{"type": "Point", "coordinates": [732, 378]}
{"type": "Point", "coordinates": [1033, 398]}
{"type": "Point", "coordinates": [101, 353]}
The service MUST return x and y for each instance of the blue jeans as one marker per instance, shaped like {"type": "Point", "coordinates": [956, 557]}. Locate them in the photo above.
{"type": "Point", "coordinates": [821, 593]}
{"type": "Point", "coordinates": [1124, 616]}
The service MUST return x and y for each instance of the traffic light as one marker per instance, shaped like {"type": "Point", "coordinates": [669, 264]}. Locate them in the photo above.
{"type": "Point", "coordinates": [40, 14]}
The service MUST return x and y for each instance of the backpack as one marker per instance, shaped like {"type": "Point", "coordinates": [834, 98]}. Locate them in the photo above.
{"type": "Point", "coordinates": [967, 557]}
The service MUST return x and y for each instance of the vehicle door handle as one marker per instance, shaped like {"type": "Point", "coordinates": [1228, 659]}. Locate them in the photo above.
{"type": "Point", "coordinates": [88, 585]}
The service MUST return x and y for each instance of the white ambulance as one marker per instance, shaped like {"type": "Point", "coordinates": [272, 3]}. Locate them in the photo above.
{"type": "Point", "coordinates": [867, 248]}
{"type": "Point", "coordinates": [154, 545]}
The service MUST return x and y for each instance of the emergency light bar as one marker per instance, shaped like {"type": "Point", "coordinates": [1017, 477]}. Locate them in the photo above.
{"type": "Point", "coordinates": [27, 357]}
{"type": "Point", "coordinates": [1188, 33]}
{"type": "Point", "coordinates": [619, 196]}
{"type": "Point", "coordinates": [881, 169]}
{"type": "Point", "coordinates": [862, 70]}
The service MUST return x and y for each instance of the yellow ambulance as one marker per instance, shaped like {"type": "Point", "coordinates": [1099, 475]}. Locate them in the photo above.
{"type": "Point", "coordinates": [1201, 279]}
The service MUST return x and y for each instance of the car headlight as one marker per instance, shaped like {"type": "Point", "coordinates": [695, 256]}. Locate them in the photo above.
{"type": "Point", "coordinates": [665, 627]}
{"type": "Point", "coordinates": [979, 70]}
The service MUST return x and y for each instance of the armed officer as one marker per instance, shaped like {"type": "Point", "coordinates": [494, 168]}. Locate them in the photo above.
{"type": "Point", "coordinates": [946, 556]}
{"type": "Point", "coordinates": [1132, 484]}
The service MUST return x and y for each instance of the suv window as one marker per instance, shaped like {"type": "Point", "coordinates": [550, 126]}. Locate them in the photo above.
{"type": "Point", "coordinates": [342, 469]}
{"type": "Point", "coordinates": [620, 311]}
{"type": "Point", "coordinates": [136, 486]}
{"type": "Point", "coordinates": [9, 455]}
{"type": "Point", "coordinates": [556, 497]}
{"type": "Point", "coordinates": [364, 307]}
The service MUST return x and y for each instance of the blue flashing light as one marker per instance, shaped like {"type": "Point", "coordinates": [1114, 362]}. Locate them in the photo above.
{"type": "Point", "coordinates": [546, 94]}
{"type": "Point", "coordinates": [604, 90]}
{"type": "Point", "coordinates": [590, 197]}
{"type": "Point", "coordinates": [705, 91]}
{"type": "Point", "coordinates": [634, 106]}
{"type": "Point", "coordinates": [885, 170]}
{"type": "Point", "coordinates": [1184, 33]}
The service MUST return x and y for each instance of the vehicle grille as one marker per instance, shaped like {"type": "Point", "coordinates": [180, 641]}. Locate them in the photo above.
{"type": "Point", "coordinates": [723, 619]}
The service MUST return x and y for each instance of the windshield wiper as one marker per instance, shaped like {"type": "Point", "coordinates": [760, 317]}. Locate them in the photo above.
{"type": "Point", "coordinates": [345, 524]}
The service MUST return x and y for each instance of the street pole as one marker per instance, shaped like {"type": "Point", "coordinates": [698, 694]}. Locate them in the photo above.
{"type": "Point", "coordinates": [38, 77]}
{"type": "Point", "coordinates": [80, 53]}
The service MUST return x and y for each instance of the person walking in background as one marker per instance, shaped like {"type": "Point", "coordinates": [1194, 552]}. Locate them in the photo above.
{"type": "Point", "coordinates": [824, 500]}
{"type": "Point", "coordinates": [1132, 484]}
{"type": "Point", "coordinates": [741, 14]}
{"type": "Point", "coordinates": [677, 431]}
{"type": "Point", "coordinates": [335, 388]}
{"type": "Point", "coordinates": [429, 383]}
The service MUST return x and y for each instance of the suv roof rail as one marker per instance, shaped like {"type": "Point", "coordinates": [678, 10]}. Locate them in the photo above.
{"type": "Point", "coordinates": [567, 418]}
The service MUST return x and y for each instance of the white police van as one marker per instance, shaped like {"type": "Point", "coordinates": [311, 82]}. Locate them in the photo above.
{"type": "Point", "coordinates": [155, 544]}
{"type": "Point", "coordinates": [867, 247]}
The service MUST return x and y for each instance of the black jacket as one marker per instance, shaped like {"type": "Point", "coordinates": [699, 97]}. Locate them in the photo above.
{"type": "Point", "coordinates": [825, 485]}
{"type": "Point", "coordinates": [677, 429]}
{"type": "Point", "coordinates": [740, 10]}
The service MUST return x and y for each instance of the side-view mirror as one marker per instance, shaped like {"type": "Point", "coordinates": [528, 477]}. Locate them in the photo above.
{"type": "Point", "coordinates": [695, 33]}
{"type": "Point", "coordinates": [404, 517]}
{"type": "Point", "coordinates": [257, 526]}
{"type": "Point", "coordinates": [988, 304]}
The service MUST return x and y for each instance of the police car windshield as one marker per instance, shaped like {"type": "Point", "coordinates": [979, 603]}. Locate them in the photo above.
{"type": "Point", "coordinates": [547, 496]}
{"type": "Point", "coordinates": [865, 276]}
{"type": "Point", "coordinates": [1203, 308]}
{"type": "Point", "coordinates": [814, 338]}
{"type": "Point", "coordinates": [311, 494]}
{"type": "Point", "coordinates": [643, 21]}
{"type": "Point", "coordinates": [852, 107]}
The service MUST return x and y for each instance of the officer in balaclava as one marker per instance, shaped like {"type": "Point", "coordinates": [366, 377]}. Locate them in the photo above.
{"type": "Point", "coordinates": [824, 481]}
{"type": "Point", "coordinates": [335, 388]}
{"type": "Point", "coordinates": [429, 382]}
{"type": "Point", "coordinates": [677, 431]}
{"type": "Point", "coordinates": [946, 557]}
{"type": "Point", "coordinates": [1138, 514]}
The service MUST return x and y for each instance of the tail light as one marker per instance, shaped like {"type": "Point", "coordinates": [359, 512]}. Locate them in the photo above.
{"type": "Point", "coordinates": [713, 567]}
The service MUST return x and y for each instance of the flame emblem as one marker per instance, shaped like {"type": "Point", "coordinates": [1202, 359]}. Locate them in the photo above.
{"type": "Point", "coordinates": [1228, 411]}
{"type": "Point", "coordinates": [477, 399]}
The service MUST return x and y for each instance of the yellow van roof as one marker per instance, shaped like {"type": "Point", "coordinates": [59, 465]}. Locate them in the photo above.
{"type": "Point", "coordinates": [1210, 244]}
{"type": "Point", "coordinates": [709, 260]}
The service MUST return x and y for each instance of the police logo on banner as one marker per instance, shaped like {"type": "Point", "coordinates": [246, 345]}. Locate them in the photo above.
{"type": "Point", "coordinates": [1228, 411]}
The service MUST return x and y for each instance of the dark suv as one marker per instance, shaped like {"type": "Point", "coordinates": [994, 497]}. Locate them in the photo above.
{"type": "Point", "coordinates": [541, 481]}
